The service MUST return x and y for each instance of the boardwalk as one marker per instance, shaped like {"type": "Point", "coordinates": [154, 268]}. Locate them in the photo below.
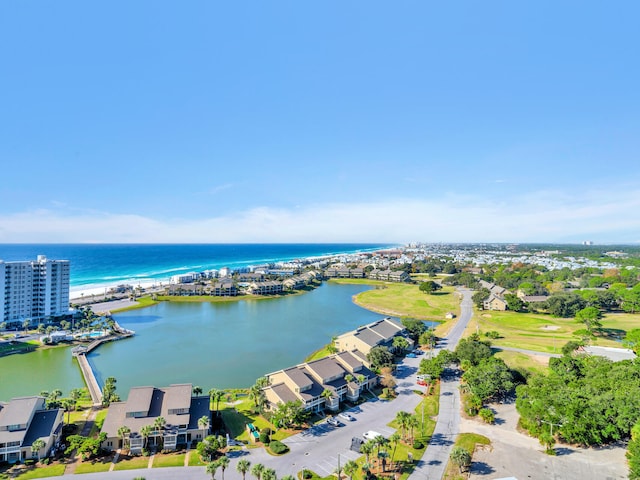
{"type": "Point", "coordinates": [90, 379]}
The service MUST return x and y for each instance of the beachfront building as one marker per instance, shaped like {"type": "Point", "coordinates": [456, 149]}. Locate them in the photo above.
{"type": "Point", "coordinates": [344, 374]}
{"type": "Point", "coordinates": [379, 333]}
{"type": "Point", "coordinates": [35, 290]}
{"type": "Point", "coordinates": [23, 421]}
{"type": "Point", "coordinates": [175, 405]}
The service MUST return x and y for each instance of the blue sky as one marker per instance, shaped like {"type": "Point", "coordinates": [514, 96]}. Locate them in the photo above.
{"type": "Point", "coordinates": [153, 121]}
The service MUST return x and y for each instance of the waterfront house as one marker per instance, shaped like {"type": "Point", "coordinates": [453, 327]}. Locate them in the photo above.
{"type": "Point", "coordinates": [265, 288]}
{"type": "Point", "coordinates": [23, 421]}
{"type": "Point", "coordinates": [379, 333]}
{"type": "Point", "coordinates": [224, 288]}
{"type": "Point", "coordinates": [175, 404]}
{"type": "Point", "coordinates": [307, 381]}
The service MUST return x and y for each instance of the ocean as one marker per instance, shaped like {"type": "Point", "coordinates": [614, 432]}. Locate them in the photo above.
{"type": "Point", "coordinates": [102, 265]}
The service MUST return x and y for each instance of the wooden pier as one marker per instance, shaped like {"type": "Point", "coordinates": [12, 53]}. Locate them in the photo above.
{"type": "Point", "coordinates": [80, 352]}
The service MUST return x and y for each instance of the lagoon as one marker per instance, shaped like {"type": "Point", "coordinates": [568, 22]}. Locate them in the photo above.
{"type": "Point", "coordinates": [214, 345]}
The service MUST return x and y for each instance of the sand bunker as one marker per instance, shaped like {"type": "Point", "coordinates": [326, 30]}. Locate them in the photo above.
{"type": "Point", "coordinates": [550, 327]}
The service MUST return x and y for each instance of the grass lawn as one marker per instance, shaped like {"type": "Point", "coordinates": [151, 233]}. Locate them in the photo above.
{"type": "Point", "coordinates": [170, 460]}
{"type": "Point", "coordinates": [467, 441]}
{"type": "Point", "coordinates": [194, 459]}
{"type": "Point", "coordinates": [542, 333]}
{"type": "Point", "coordinates": [94, 466]}
{"type": "Point", "coordinates": [43, 472]}
{"type": "Point", "coordinates": [318, 354]}
{"type": "Point", "coordinates": [132, 463]}
{"type": "Point", "coordinates": [141, 302]}
{"type": "Point", "coordinates": [99, 421]}
{"type": "Point", "coordinates": [517, 360]}
{"type": "Point", "coordinates": [406, 300]}
{"type": "Point", "coordinates": [236, 419]}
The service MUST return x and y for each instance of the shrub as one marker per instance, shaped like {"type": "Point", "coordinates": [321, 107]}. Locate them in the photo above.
{"type": "Point", "coordinates": [472, 404]}
{"type": "Point", "coordinates": [29, 462]}
{"type": "Point", "coordinates": [264, 438]}
{"type": "Point", "coordinates": [487, 415]}
{"type": "Point", "coordinates": [418, 445]}
{"type": "Point", "coordinates": [46, 461]}
{"type": "Point", "coordinates": [307, 474]}
{"type": "Point", "coordinates": [278, 447]}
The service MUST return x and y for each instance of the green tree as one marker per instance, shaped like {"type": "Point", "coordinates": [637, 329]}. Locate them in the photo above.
{"type": "Point", "coordinates": [243, 466]}
{"type": "Point", "coordinates": [257, 470]}
{"type": "Point", "coordinates": [197, 390]}
{"type": "Point", "coordinates": [473, 350]}
{"type": "Point", "coordinates": [37, 446]}
{"type": "Point", "coordinates": [212, 468]}
{"type": "Point", "coordinates": [215, 396]}
{"type": "Point", "coordinates": [123, 433]}
{"type": "Point", "coordinates": [400, 344]}
{"type": "Point", "coordinates": [514, 303]}
{"type": "Point", "coordinates": [428, 338]}
{"type": "Point", "coordinates": [590, 316]}
{"type": "Point", "coordinates": [350, 468]}
{"type": "Point", "coordinates": [380, 356]}
{"type": "Point", "coordinates": [633, 453]}
{"type": "Point", "coordinates": [632, 340]}
{"type": "Point", "coordinates": [223, 463]}
{"type": "Point", "coordinates": [480, 296]}
{"type": "Point", "coordinates": [490, 379]}
{"type": "Point", "coordinates": [430, 287]}
{"type": "Point", "coordinates": [461, 457]}
{"type": "Point", "coordinates": [414, 327]}
{"type": "Point", "coordinates": [203, 423]}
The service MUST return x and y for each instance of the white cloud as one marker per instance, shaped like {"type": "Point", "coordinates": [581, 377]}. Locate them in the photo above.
{"type": "Point", "coordinates": [544, 216]}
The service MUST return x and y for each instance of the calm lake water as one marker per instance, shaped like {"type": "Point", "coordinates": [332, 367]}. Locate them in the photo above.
{"type": "Point", "coordinates": [222, 345]}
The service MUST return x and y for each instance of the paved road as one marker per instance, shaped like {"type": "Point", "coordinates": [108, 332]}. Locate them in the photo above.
{"type": "Point", "coordinates": [527, 352]}
{"type": "Point", "coordinates": [434, 461]}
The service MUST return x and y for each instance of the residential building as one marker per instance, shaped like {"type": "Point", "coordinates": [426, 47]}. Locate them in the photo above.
{"type": "Point", "coordinates": [224, 288]}
{"type": "Point", "coordinates": [265, 288]}
{"type": "Point", "coordinates": [35, 290]}
{"type": "Point", "coordinates": [379, 333]}
{"type": "Point", "coordinates": [307, 382]}
{"type": "Point", "coordinates": [175, 404]}
{"type": "Point", "coordinates": [494, 302]}
{"type": "Point", "coordinates": [23, 421]}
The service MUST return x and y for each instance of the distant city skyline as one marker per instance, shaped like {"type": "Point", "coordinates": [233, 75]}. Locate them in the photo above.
{"type": "Point", "coordinates": [294, 122]}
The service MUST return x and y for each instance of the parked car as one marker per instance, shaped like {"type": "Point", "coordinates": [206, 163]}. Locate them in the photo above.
{"type": "Point", "coordinates": [370, 435]}
{"type": "Point", "coordinates": [334, 421]}
{"type": "Point", "coordinates": [411, 355]}
{"type": "Point", "coordinates": [417, 351]}
{"type": "Point", "coordinates": [347, 416]}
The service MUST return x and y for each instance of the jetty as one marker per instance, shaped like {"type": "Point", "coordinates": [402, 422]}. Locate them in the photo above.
{"type": "Point", "coordinates": [80, 353]}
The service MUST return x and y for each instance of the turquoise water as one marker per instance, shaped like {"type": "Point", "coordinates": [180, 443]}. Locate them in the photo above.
{"type": "Point", "coordinates": [110, 264]}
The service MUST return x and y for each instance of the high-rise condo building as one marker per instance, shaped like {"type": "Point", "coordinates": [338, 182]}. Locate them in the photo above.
{"type": "Point", "coordinates": [34, 290]}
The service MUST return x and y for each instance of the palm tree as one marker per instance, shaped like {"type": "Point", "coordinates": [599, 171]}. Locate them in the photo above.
{"type": "Point", "coordinates": [348, 378]}
{"type": "Point", "coordinates": [361, 379]}
{"type": "Point", "coordinates": [123, 433]}
{"type": "Point", "coordinates": [36, 446]}
{"type": "Point", "coordinates": [214, 399]}
{"type": "Point", "coordinates": [412, 423]}
{"type": "Point", "coordinates": [257, 470]}
{"type": "Point", "coordinates": [197, 390]}
{"type": "Point", "coordinates": [203, 423]}
{"type": "Point", "coordinates": [394, 439]}
{"type": "Point", "coordinates": [145, 432]}
{"type": "Point", "coordinates": [402, 418]}
{"type": "Point", "coordinates": [158, 425]}
{"type": "Point", "coordinates": [68, 404]}
{"type": "Point", "coordinates": [367, 448]}
{"type": "Point", "coordinates": [326, 394]}
{"type": "Point", "coordinates": [379, 441]}
{"type": "Point", "coordinates": [350, 468]}
{"type": "Point", "coordinates": [223, 463]}
{"type": "Point", "coordinates": [269, 474]}
{"type": "Point", "coordinates": [243, 467]}
{"type": "Point", "coordinates": [212, 468]}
